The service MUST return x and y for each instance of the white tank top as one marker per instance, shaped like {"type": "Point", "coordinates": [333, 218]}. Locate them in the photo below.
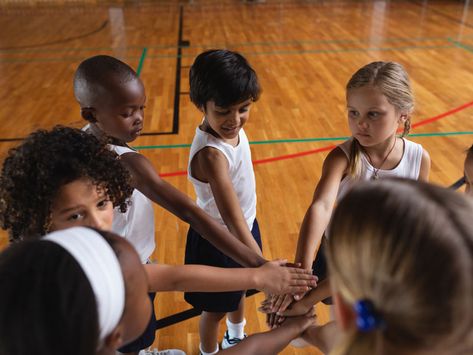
{"type": "Point", "coordinates": [240, 170]}
{"type": "Point", "coordinates": [408, 167]}
{"type": "Point", "coordinates": [137, 223]}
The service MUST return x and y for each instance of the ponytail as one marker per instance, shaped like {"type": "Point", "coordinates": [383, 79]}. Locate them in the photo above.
{"type": "Point", "coordinates": [354, 165]}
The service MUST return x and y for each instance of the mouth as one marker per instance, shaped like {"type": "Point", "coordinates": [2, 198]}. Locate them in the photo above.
{"type": "Point", "coordinates": [230, 129]}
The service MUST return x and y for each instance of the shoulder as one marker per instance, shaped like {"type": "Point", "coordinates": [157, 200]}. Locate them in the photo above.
{"type": "Point", "coordinates": [210, 157]}
{"type": "Point", "coordinates": [425, 163]}
{"type": "Point", "coordinates": [336, 159]}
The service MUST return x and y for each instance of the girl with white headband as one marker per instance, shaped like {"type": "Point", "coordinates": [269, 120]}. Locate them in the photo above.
{"type": "Point", "coordinates": [69, 293]}
{"type": "Point", "coordinates": [400, 259]}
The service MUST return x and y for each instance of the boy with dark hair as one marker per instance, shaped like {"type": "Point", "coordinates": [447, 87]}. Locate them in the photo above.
{"type": "Point", "coordinates": [222, 86]}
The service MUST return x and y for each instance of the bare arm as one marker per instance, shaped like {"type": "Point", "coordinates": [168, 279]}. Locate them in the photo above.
{"type": "Point", "coordinates": [274, 341]}
{"type": "Point", "coordinates": [424, 166]}
{"type": "Point", "coordinates": [318, 215]}
{"type": "Point", "coordinates": [323, 337]}
{"type": "Point", "coordinates": [212, 166]}
{"type": "Point", "coordinates": [271, 277]}
{"type": "Point", "coordinates": [148, 182]}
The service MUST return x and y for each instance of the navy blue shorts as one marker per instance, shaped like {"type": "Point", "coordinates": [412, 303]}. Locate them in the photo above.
{"type": "Point", "coordinates": [320, 268]}
{"type": "Point", "coordinates": [200, 251]}
{"type": "Point", "coordinates": [147, 338]}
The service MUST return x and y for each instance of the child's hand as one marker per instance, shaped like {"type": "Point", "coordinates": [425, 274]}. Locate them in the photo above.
{"type": "Point", "coordinates": [274, 278]}
{"type": "Point", "coordinates": [273, 320]}
{"type": "Point", "coordinates": [300, 323]}
{"type": "Point", "coordinates": [297, 308]}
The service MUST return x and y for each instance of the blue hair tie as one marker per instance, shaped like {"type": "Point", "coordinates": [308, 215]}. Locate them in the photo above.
{"type": "Point", "coordinates": [367, 319]}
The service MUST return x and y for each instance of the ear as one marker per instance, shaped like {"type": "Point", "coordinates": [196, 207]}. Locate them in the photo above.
{"type": "Point", "coordinates": [344, 312]}
{"type": "Point", "coordinates": [403, 118]}
{"type": "Point", "coordinates": [89, 114]}
{"type": "Point", "coordinates": [115, 339]}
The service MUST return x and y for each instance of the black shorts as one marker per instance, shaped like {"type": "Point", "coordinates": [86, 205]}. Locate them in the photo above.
{"type": "Point", "coordinates": [147, 338]}
{"type": "Point", "coordinates": [320, 268]}
{"type": "Point", "coordinates": [200, 251]}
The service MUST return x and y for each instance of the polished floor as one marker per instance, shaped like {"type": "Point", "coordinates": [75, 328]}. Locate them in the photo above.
{"type": "Point", "coordinates": [303, 51]}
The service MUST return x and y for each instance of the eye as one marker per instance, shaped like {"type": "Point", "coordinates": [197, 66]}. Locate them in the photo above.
{"type": "Point", "coordinates": [127, 114]}
{"type": "Point", "coordinates": [244, 109]}
{"type": "Point", "coordinates": [353, 113]}
{"type": "Point", "coordinates": [222, 113]}
{"type": "Point", "coordinates": [76, 217]}
{"type": "Point", "coordinates": [103, 204]}
{"type": "Point", "coordinates": [373, 114]}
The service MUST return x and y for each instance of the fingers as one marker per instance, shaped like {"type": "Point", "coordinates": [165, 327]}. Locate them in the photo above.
{"type": "Point", "coordinates": [282, 303]}
{"type": "Point", "coordinates": [296, 270]}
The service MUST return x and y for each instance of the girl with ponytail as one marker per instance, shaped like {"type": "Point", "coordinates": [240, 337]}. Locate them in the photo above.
{"type": "Point", "coordinates": [379, 103]}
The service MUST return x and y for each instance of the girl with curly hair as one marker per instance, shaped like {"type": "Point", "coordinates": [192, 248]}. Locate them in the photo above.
{"type": "Point", "coordinates": [60, 178]}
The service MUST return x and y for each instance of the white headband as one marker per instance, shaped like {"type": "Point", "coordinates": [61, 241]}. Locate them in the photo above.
{"type": "Point", "coordinates": [100, 264]}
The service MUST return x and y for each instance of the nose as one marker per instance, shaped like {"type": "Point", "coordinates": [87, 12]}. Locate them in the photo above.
{"type": "Point", "coordinates": [139, 117]}
{"type": "Point", "coordinates": [95, 221]}
{"type": "Point", "coordinates": [362, 122]}
{"type": "Point", "coordinates": [235, 118]}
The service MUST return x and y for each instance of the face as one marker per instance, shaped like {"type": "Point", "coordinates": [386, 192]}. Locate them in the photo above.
{"type": "Point", "coordinates": [137, 311]}
{"type": "Point", "coordinates": [468, 170]}
{"type": "Point", "coordinates": [81, 203]}
{"type": "Point", "coordinates": [372, 119]}
{"type": "Point", "coordinates": [121, 112]}
{"type": "Point", "coordinates": [226, 122]}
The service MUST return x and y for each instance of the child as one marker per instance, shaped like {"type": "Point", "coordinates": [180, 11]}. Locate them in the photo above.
{"type": "Point", "coordinates": [222, 86]}
{"type": "Point", "coordinates": [113, 308]}
{"type": "Point", "coordinates": [379, 99]}
{"type": "Point", "coordinates": [66, 177]}
{"type": "Point", "coordinates": [400, 258]}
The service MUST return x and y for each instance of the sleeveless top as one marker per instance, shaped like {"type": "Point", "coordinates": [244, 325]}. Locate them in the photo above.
{"type": "Point", "coordinates": [408, 167]}
{"type": "Point", "coordinates": [240, 170]}
{"type": "Point", "coordinates": [137, 223]}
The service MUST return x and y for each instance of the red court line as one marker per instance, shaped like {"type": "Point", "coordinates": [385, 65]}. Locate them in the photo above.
{"type": "Point", "coordinates": [330, 147]}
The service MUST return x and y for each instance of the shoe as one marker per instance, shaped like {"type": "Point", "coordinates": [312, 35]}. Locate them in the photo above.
{"type": "Point", "coordinates": [228, 342]}
{"type": "Point", "coordinates": [162, 352]}
{"type": "Point", "coordinates": [299, 343]}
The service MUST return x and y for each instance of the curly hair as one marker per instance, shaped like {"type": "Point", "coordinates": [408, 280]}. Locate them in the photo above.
{"type": "Point", "coordinates": [33, 173]}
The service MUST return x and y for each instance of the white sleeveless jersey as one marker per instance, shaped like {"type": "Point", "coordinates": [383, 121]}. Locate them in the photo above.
{"type": "Point", "coordinates": [408, 167]}
{"type": "Point", "coordinates": [240, 169]}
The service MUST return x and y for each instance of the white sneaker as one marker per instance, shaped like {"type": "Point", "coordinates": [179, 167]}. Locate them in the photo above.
{"type": "Point", "coordinates": [228, 342]}
{"type": "Point", "coordinates": [162, 352]}
{"type": "Point", "coordinates": [299, 343]}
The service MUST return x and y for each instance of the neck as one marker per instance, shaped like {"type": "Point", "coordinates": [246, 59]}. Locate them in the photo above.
{"type": "Point", "coordinates": [100, 134]}
{"type": "Point", "coordinates": [380, 150]}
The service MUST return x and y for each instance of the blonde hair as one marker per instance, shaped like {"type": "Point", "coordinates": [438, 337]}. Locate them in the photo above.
{"type": "Point", "coordinates": [407, 247]}
{"type": "Point", "coordinates": [393, 81]}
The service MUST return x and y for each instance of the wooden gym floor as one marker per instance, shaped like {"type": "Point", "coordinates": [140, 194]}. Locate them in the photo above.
{"type": "Point", "coordinates": [303, 51]}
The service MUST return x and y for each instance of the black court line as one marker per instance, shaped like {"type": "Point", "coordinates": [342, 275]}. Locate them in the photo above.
{"type": "Point", "coordinates": [177, 87]}
{"type": "Point", "coordinates": [457, 184]}
{"type": "Point", "coordinates": [63, 40]}
{"type": "Point", "coordinates": [443, 14]}
{"type": "Point", "coordinates": [187, 314]}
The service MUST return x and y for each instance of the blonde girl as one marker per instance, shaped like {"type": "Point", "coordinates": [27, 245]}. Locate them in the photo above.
{"type": "Point", "coordinates": [379, 101]}
{"type": "Point", "coordinates": [400, 258]}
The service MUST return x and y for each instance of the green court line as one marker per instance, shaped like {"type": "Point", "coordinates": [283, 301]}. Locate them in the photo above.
{"type": "Point", "coordinates": [238, 44]}
{"type": "Point", "coordinates": [306, 140]}
{"type": "Point", "coordinates": [461, 45]}
{"type": "Point", "coordinates": [277, 52]}
{"type": "Point", "coordinates": [142, 59]}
